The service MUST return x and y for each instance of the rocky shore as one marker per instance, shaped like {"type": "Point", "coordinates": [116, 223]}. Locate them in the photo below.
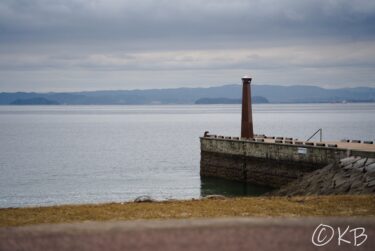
{"type": "Point", "coordinates": [352, 175]}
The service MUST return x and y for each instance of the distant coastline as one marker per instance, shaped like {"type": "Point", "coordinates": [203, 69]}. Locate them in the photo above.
{"type": "Point", "coordinates": [255, 100]}
{"type": "Point", "coordinates": [35, 101]}
{"type": "Point", "coordinates": [227, 94]}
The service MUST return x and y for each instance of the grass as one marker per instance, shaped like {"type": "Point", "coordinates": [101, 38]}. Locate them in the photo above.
{"type": "Point", "coordinates": [353, 205]}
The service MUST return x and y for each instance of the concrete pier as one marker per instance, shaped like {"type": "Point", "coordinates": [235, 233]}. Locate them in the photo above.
{"type": "Point", "coordinates": [271, 161]}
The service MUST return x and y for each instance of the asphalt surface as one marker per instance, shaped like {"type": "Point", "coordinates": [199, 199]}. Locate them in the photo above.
{"type": "Point", "coordinates": [208, 234]}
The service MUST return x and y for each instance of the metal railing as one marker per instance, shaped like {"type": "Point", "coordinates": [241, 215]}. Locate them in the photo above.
{"type": "Point", "coordinates": [321, 135]}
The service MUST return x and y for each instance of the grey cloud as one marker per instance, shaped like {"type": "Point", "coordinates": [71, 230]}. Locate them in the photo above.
{"type": "Point", "coordinates": [84, 39]}
{"type": "Point", "coordinates": [158, 19]}
{"type": "Point", "coordinates": [318, 56]}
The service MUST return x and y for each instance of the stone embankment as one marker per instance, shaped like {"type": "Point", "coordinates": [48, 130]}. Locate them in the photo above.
{"type": "Point", "coordinates": [352, 175]}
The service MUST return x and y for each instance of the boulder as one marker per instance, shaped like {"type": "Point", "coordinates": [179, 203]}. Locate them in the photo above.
{"type": "Point", "coordinates": [370, 168]}
{"type": "Point", "coordinates": [214, 197]}
{"type": "Point", "coordinates": [144, 198]}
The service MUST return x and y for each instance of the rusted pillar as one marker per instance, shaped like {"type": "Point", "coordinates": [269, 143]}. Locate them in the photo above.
{"type": "Point", "coordinates": [247, 115]}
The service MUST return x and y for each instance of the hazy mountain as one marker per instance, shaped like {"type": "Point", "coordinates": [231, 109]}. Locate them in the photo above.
{"type": "Point", "coordinates": [273, 93]}
{"type": "Point", "coordinates": [313, 94]}
{"type": "Point", "coordinates": [255, 100]}
{"type": "Point", "coordinates": [34, 101]}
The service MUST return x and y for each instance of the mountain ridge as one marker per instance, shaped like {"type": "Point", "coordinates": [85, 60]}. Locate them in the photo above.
{"type": "Point", "coordinates": [187, 95]}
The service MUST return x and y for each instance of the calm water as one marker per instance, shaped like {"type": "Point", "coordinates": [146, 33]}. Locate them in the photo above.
{"type": "Point", "coordinates": [81, 154]}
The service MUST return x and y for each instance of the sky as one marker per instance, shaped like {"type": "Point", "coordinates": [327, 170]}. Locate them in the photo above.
{"type": "Point", "coordinates": [74, 45]}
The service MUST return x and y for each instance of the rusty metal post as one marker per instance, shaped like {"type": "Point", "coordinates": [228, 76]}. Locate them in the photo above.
{"type": "Point", "coordinates": [247, 115]}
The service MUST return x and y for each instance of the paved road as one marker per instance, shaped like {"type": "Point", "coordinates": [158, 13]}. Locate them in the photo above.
{"type": "Point", "coordinates": [209, 234]}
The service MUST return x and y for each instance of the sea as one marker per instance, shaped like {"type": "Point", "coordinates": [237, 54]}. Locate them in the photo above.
{"type": "Point", "coordinates": [53, 155]}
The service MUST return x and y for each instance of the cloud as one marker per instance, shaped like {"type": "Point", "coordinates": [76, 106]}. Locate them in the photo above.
{"type": "Point", "coordinates": [74, 37]}
{"type": "Point", "coordinates": [267, 58]}
{"type": "Point", "coordinates": [103, 20]}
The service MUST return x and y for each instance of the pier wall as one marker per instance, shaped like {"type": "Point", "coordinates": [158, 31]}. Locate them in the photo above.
{"type": "Point", "coordinates": [265, 163]}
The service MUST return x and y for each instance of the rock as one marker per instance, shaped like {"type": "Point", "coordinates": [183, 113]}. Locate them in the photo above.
{"type": "Point", "coordinates": [343, 189]}
{"type": "Point", "coordinates": [370, 168]}
{"type": "Point", "coordinates": [348, 167]}
{"type": "Point", "coordinates": [144, 198]}
{"type": "Point", "coordinates": [360, 163]}
{"type": "Point", "coordinates": [339, 180]}
{"type": "Point", "coordinates": [348, 160]}
{"type": "Point", "coordinates": [370, 161]}
{"type": "Point", "coordinates": [357, 186]}
{"type": "Point", "coordinates": [214, 197]}
{"type": "Point", "coordinates": [371, 183]}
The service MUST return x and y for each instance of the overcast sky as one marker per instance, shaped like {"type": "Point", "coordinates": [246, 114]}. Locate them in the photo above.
{"type": "Point", "coordinates": [71, 45]}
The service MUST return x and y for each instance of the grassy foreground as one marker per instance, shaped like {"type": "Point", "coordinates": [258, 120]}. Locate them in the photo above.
{"type": "Point", "coordinates": [248, 206]}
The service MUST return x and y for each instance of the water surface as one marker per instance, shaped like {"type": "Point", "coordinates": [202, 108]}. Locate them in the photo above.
{"type": "Point", "coordinates": [89, 154]}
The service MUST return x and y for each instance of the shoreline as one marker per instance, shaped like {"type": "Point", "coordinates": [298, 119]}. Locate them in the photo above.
{"type": "Point", "coordinates": [297, 206]}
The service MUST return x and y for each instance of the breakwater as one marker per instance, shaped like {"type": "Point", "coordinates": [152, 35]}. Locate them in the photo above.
{"type": "Point", "coordinates": [267, 162]}
{"type": "Point", "coordinates": [352, 175]}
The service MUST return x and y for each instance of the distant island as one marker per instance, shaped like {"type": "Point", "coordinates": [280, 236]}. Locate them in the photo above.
{"type": "Point", "coordinates": [34, 101]}
{"type": "Point", "coordinates": [219, 94]}
{"type": "Point", "coordinates": [255, 100]}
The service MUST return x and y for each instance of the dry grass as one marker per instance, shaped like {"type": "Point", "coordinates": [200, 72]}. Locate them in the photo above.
{"type": "Point", "coordinates": [249, 206]}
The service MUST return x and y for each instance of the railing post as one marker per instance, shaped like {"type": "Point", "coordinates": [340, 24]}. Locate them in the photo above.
{"type": "Point", "coordinates": [321, 134]}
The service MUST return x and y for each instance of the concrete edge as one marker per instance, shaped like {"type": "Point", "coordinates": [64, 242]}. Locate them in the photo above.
{"type": "Point", "coordinates": [282, 144]}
